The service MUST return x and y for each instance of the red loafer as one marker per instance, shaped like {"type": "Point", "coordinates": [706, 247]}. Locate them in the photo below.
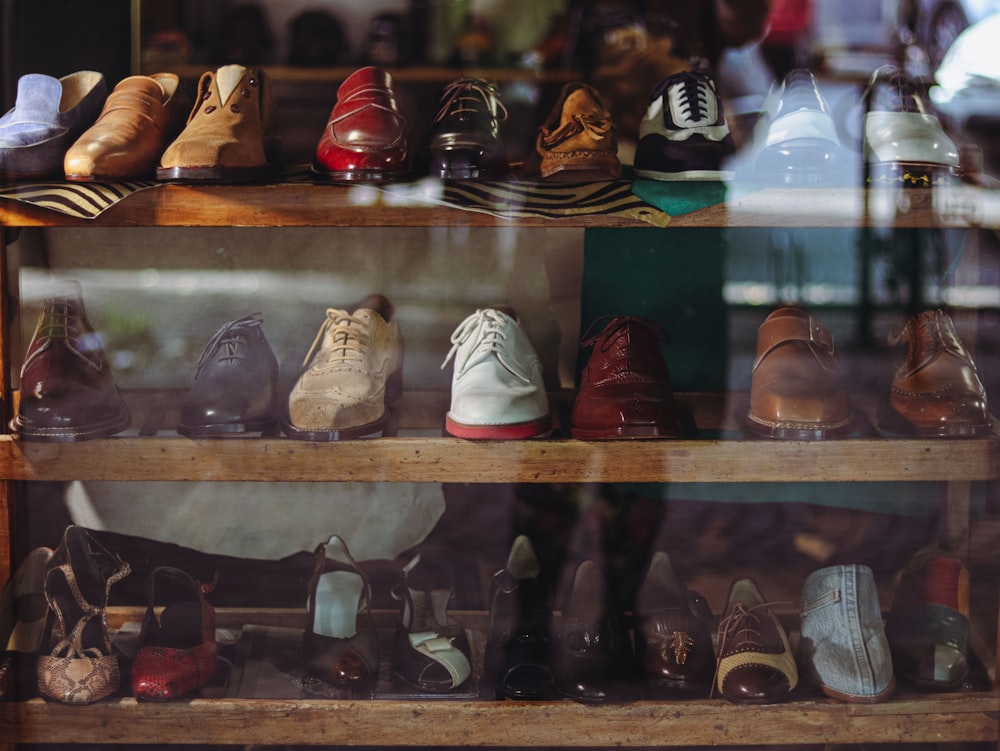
{"type": "Point", "coordinates": [366, 137]}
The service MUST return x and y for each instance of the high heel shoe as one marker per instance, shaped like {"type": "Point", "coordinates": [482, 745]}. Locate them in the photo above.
{"type": "Point", "coordinates": [81, 667]}
{"type": "Point", "coordinates": [22, 625]}
{"type": "Point", "coordinates": [177, 650]}
{"type": "Point", "coordinates": [517, 656]}
{"type": "Point", "coordinates": [430, 649]}
{"type": "Point", "coordinates": [339, 645]}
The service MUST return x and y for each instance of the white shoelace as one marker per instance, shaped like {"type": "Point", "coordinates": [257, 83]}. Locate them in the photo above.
{"type": "Point", "coordinates": [486, 325]}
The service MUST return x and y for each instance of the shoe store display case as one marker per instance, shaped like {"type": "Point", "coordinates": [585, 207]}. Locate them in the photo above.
{"type": "Point", "coordinates": [151, 452]}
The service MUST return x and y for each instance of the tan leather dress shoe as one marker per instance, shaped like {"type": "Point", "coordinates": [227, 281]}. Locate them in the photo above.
{"type": "Point", "coordinates": [577, 143]}
{"type": "Point", "coordinates": [796, 391]}
{"type": "Point", "coordinates": [936, 390]}
{"type": "Point", "coordinates": [140, 117]}
{"type": "Point", "coordinates": [352, 371]}
{"type": "Point", "coordinates": [231, 134]}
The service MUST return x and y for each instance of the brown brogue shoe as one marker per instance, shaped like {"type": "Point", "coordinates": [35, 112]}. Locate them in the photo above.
{"type": "Point", "coordinates": [231, 135]}
{"type": "Point", "coordinates": [625, 389]}
{"type": "Point", "coordinates": [796, 389]}
{"type": "Point", "coordinates": [577, 143]}
{"type": "Point", "coordinates": [140, 117]}
{"type": "Point", "coordinates": [936, 390]}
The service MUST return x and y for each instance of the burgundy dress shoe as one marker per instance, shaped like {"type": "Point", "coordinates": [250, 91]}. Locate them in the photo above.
{"type": "Point", "coordinates": [366, 138]}
{"type": "Point", "coordinates": [67, 390]}
{"type": "Point", "coordinates": [625, 389]}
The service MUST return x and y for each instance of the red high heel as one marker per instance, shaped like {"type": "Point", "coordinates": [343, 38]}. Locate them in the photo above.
{"type": "Point", "coordinates": [177, 650]}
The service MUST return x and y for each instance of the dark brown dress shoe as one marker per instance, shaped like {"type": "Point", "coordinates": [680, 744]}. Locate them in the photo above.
{"type": "Point", "coordinates": [673, 634]}
{"type": "Point", "coordinates": [625, 389]}
{"type": "Point", "coordinates": [756, 664]}
{"type": "Point", "coordinates": [67, 390]}
{"type": "Point", "coordinates": [464, 140]}
{"type": "Point", "coordinates": [796, 390]}
{"type": "Point", "coordinates": [936, 390]}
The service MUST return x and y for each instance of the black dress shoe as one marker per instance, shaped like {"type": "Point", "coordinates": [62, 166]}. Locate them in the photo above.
{"type": "Point", "coordinates": [464, 140]}
{"type": "Point", "coordinates": [67, 390]}
{"type": "Point", "coordinates": [592, 654]}
{"type": "Point", "coordinates": [517, 657]}
{"type": "Point", "coordinates": [235, 385]}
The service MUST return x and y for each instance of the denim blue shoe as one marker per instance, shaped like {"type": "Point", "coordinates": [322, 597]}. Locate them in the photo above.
{"type": "Point", "coordinates": [844, 647]}
{"type": "Point", "coordinates": [48, 116]}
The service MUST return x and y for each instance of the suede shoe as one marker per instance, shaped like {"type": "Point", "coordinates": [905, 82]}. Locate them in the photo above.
{"type": "Point", "coordinates": [843, 646]}
{"type": "Point", "coordinates": [67, 391]}
{"type": "Point", "coordinates": [683, 135]}
{"type": "Point", "coordinates": [231, 135]}
{"type": "Point", "coordinates": [367, 135]}
{"type": "Point", "coordinates": [935, 391]}
{"type": "Point", "coordinates": [625, 389]}
{"type": "Point", "coordinates": [464, 140]}
{"type": "Point", "coordinates": [235, 384]}
{"type": "Point", "coordinates": [49, 114]}
{"type": "Point", "coordinates": [354, 368]}
{"type": "Point", "coordinates": [796, 389]}
{"type": "Point", "coordinates": [904, 142]}
{"type": "Point", "coordinates": [497, 391]}
{"type": "Point", "coordinates": [140, 117]}
{"type": "Point", "coordinates": [577, 142]}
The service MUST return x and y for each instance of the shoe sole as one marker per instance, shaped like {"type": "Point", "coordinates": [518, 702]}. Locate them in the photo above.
{"type": "Point", "coordinates": [625, 432]}
{"type": "Point", "coordinates": [73, 433]}
{"type": "Point", "coordinates": [226, 429]}
{"type": "Point", "coordinates": [359, 176]}
{"type": "Point", "coordinates": [215, 174]}
{"type": "Point", "coordinates": [797, 431]}
{"type": "Point", "coordinates": [513, 431]}
{"type": "Point", "coordinates": [892, 421]}
{"type": "Point", "coordinates": [702, 175]}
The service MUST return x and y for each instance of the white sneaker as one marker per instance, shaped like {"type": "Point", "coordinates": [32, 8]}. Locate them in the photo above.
{"type": "Point", "coordinates": [497, 390]}
{"type": "Point", "coordinates": [352, 371]}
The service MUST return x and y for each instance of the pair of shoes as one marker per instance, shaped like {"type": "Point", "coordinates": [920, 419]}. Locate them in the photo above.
{"type": "Point", "coordinates": [22, 625]}
{"type": "Point", "coordinates": [177, 649]}
{"type": "Point", "coordinates": [368, 134]}
{"type": "Point", "coordinates": [352, 371]}
{"type": "Point", "coordinates": [625, 389]}
{"type": "Point", "coordinates": [139, 118]}
{"type": "Point", "coordinates": [67, 389]}
{"type": "Point", "coordinates": [48, 115]}
{"type": "Point", "coordinates": [77, 664]}
{"type": "Point", "coordinates": [497, 390]}
{"type": "Point", "coordinates": [231, 135]}
{"type": "Point", "coordinates": [797, 391]}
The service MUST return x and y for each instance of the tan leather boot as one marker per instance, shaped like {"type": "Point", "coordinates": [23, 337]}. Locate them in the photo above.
{"type": "Point", "coordinates": [577, 142]}
{"type": "Point", "coordinates": [231, 134]}
{"type": "Point", "coordinates": [140, 117]}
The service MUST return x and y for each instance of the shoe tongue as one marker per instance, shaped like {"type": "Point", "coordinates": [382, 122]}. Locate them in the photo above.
{"type": "Point", "coordinates": [38, 97]}
{"type": "Point", "coordinates": [227, 78]}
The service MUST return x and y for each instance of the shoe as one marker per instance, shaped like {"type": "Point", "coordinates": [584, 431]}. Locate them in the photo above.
{"type": "Point", "coordinates": [843, 647]}
{"type": "Point", "coordinates": [796, 389]}
{"type": "Point", "coordinates": [518, 656]}
{"type": "Point", "coordinates": [67, 390]}
{"type": "Point", "coordinates": [928, 625]}
{"type": "Point", "coordinates": [49, 114]}
{"type": "Point", "coordinates": [430, 648]}
{"type": "Point", "coordinates": [78, 664]}
{"type": "Point", "coordinates": [177, 649]}
{"type": "Point", "coordinates": [339, 645]}
{"type": "Point", "coordinates": [755, 663]}
{"type": "Point", "coordinates": [231, 135]}
{"type": "Point", "coordinates": [904, 141]}
{"type": "Point", "coordinates": [22, 625]}
{"type": "Point", "coordinates": [353, 370]}
{"type": "Point", "coordinates": [935, 390]}
{"type": "Point", "coordinates": [577, 142]}
{"type": "Point", "coordinates": [497, 391]}
{"type": "Point", "coordinates": [683, 135]}
{"type": "Point", "coordinates": [593, 652]}
{"type": "Point", "coordinates": [625, 389]}
{"type": "Point", "coordinates": [367, 136]}
{"type": "Point", "coordinates": [801, 145]}
{"type": "Point", "coordinates": [464, 141]}
{"type": "Point", "coordinates": [673, 634]}
{"type": "Point", "coordinates": [140, 117]}
{"type": "Point", "coordinates": [235, 384]}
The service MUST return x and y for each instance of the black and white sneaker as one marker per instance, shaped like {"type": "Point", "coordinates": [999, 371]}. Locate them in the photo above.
{"type": "Point", "coordinates": [684, 135]}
